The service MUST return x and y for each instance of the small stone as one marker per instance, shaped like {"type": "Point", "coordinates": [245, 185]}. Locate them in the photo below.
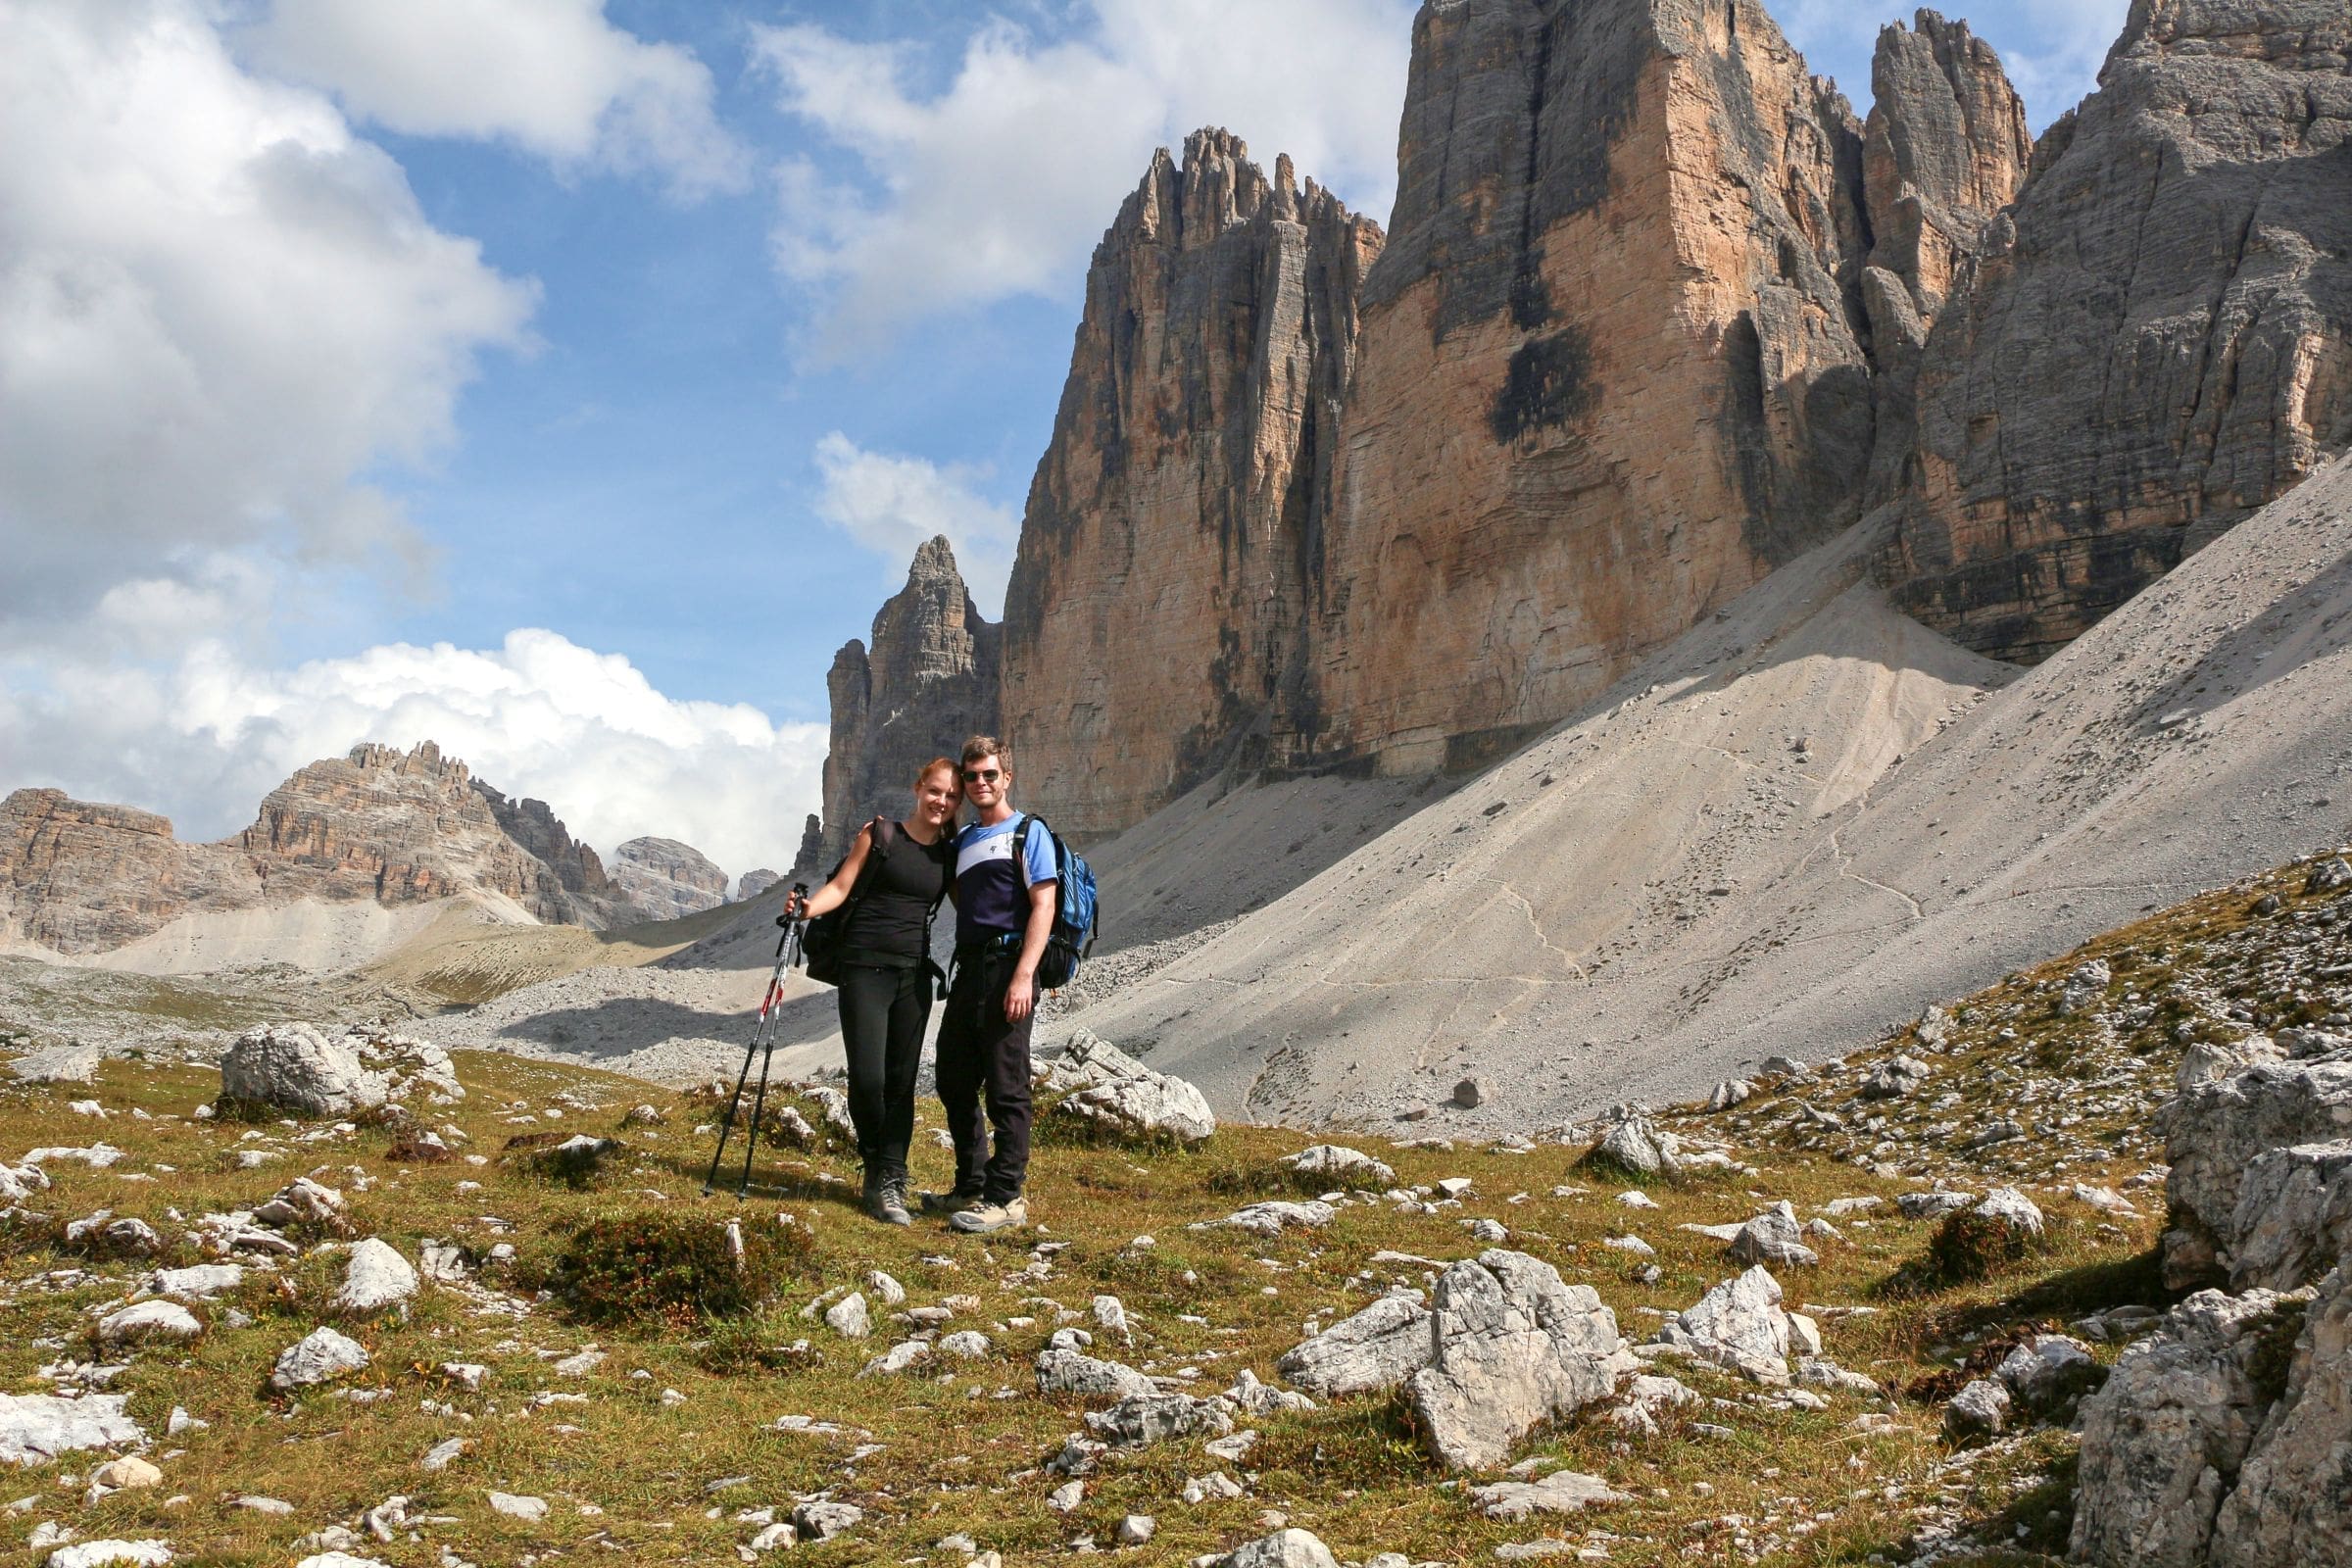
{"type": "Point", "coordinates": [319, 1358]}
{"type": "Point", "coordinates": [1561, 1492]}
{"type": "Point", "coordinates": [129, 1473]}
{"type": "Point", "coordinates": [518, 1507]}
{"type": "Point", "coordinates": [112, 1554]}
{"type": "Point", "coordinates": [1469, 1093]}
{"type": "Point", "coordinates": [1284, 1548]}
{"type": "Point", "coordinates": [822, 1520]}
{"type": "Point", "coordinates": [848, 1317]}
{"type": "Point", "coordinates": [1980, 1410]}
{"type": "Point", "coordinates": [374, 1277]}
{"type": "Point", "coordinates": [1134, 1530]}
{"type": "Point", "coordinates": [148, 1321]}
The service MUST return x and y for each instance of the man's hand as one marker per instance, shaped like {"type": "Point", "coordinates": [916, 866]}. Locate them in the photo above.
{"type": "Point", "coordinates": [1020, 995]}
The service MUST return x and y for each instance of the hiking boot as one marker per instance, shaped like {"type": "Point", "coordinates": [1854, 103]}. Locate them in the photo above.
{"type": "Point", "coordinates": [887, 1204]}
{"type": "Point", "coordinates": [951, 1202]}
{"type": "Point", "coordinates": [984, 1217]}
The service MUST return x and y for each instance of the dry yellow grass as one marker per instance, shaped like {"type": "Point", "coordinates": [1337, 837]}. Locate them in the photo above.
{"type": "Point", "coordinates": [958, 1450]}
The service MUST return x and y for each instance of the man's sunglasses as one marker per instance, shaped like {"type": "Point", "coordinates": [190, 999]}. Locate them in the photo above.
{"type": "Point", "coordinates": [981, 775]}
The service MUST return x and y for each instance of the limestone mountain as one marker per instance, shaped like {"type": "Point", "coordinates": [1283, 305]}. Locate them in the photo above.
{"type": "Point", "coordinates": [2158, 339]}
{"type": "Point", "coordinates": [1161, 597]}
{"type": "Point", "coordinates": [663, 879]}
{"type": "Point", "coordinates": [1655, 312]}
{"type": "Point", "coordinates": [394, 828]}
{"type": "Point", "coordinates": [929, 680]}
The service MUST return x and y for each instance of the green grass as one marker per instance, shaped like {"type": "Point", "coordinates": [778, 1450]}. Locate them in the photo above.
{"type": "Point", "coordinates": [960, 1444]}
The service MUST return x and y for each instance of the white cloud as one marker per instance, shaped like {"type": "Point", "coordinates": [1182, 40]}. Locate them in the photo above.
{"type": "Point", "coordinates": [890, 505]}
{"type": "Point", "coordinates": [551, 76]}
{"type": "Point", "coordinates": [204, 739]}
{"type": "Point", "coordinates": [2054, 62]}
{"type": "Point", "coordinates": [218, 311]}
{"type": "Point", "coordinates": [1001, 183]}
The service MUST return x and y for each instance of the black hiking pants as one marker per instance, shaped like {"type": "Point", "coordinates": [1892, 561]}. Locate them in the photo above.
{"type": "Point", "coordinates": [983, 1057]}
{"type": "Point", "coordinates": [882, 1016]}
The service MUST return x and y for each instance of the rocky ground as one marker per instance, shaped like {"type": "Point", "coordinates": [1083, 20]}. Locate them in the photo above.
{"type": "Point", "coordinates": [378, 1329]}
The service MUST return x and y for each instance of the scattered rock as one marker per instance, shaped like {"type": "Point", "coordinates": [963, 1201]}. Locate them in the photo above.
{"type": "Point", "coordinates": [1772, 1237]}
{"type": "Point", "coordinates": [2048, 1371]}
{"type": "Point", "coordinates": [2085, 987]}
{"type": "Point", "coordinates": [1274, 1216]}
{"type": "Point", "coordinates": [2329, 876]}
{"type": "Point", "coordinates": [518, 1507]}
{"type": "Point", "coordinates": [296, 1069]}
{"type": "Point", "coordinates": [321, 1357]}
{"type": "Point", "coordinates": [1514, 1347]}
{"type": "Point", "coordinates": [1068, 1373]}
{"type": "Point", "coordinates": [149, 1320]}
{"type": "Point", "coordinates": [1284, 1548]}
{"type": "Point", "coordinates": [1339, 1165]}
{"type": "Point", "coordinates": [301, 1201]}
{"type": "Point", "coordinates": [1134, 1528]}
{"type": "Point", "coordinates": [1143, 1419]}
{"type": "Point", "coordinates": [374, 1277]}
{"type": "Point", "coordinates": [1378, 1348]}
{"type": "Point", "coordinates": [1143, 1103]}
{"type": "Point", "coordinates": [1934, 1205]}
{"type": "Point", "coordinates": [1561, 1492]}
{"type": "Point", "coordinates": [112, 1554]}
{"type": "Point", "coordinates": [35, 1427]}
{"type": "Point", "coordinates": [131, 1473]}
{"type": "Point", "coordinates": [824, 1519]}
{"type": "Point", "coordinates": [1469, 1093]}
{"type": "Point", "coordinates": [1978, 1410]}
{"type": "Point", "coordinates": [1635, 1146]}
{"type": "Point", "coordinates": [1738, 1324]}
{"type": "Point", "coordinates": [848, 1318]}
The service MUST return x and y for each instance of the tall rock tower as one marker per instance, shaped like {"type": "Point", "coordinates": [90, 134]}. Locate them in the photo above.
{"type": "Point", "coordinates": [1945, 150]}
{"type": "Point", "coordinates": [2157, 341]}
{"type": "Point", "coordinates": [1611, 370]}
{"type": "Point", "coordinates": [928, 681]}
{"type": "Point", "coordinates": [1157, 603]}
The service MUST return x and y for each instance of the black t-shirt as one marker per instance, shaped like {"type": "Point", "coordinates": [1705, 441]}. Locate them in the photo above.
{"type": "Point", "coordinates": [894, 910]}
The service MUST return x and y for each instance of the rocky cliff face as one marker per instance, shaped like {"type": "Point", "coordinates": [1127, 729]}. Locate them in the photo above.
{"type": "Point", "coordinates": [663, 879]}
{"type": "Point", "coordinates": [1945, 149]}
{"type": "Point", "coordinates": [1157, 605]}
{"type": "Point", "coordinates": [1611, 369]}
{"type": "Point", "coordinates": [2156, 341]}
{"type": "Point", "coordinates": [575, 890]}
{"type": "Point", "coordinates": [382, 824]}
{"type": "Point", "coordinates": [929, 680]}
{"type": "Point", "coordinates": [79, 877]}
{"type": "Point", "coordinates": [396, 827]}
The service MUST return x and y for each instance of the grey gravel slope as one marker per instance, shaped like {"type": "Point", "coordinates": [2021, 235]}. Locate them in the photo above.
{"type": "Point", "coordinates": [1690, 893]}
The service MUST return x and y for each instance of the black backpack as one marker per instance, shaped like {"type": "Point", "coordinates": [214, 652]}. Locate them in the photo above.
{"type": "Point", "coordinates": [821, 944]}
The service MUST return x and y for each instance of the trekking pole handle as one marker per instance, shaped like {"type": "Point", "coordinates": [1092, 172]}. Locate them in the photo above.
{"type": "Point", "coordinates": [800, 896]}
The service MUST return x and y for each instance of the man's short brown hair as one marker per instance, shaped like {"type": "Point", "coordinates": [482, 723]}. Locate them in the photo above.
{"type": "Point", "coordinates": [982, 746]}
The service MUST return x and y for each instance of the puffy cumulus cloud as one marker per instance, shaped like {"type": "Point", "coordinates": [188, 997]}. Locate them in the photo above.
{"type": "Point", "coordinates": [551, 76]}
{"type": "Point", "coordinates": [218, 311]}
{"type": "Point", "coordinates": [205, 739]}
{"type": "Point", "coordinates": [890, 505]}
{"type": "Point", "coordinates": [1000, 182]}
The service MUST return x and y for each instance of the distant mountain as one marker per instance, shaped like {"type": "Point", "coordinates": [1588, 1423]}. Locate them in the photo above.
{"type": "Point", "coordinates": [382, 825]}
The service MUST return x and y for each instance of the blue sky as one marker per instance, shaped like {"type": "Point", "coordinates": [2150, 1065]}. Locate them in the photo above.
{"type": "Point", "coordinates": [568, 381]}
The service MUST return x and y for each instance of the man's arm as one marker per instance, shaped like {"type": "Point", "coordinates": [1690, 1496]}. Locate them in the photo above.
{"type": "Point", "coordinates": [1021, 997]}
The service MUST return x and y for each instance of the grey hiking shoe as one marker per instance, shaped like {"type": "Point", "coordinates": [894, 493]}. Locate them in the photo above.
{"type": "Point", "coordinates": [949, 1202]}
{"type": "Point", "coordinates": [888, 1202]}
{"type": "Point", "coordinates": [984, 1217]}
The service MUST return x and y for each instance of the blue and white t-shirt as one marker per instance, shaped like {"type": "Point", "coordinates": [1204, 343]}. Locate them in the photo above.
{"type": "Point", "coordinates": [991, 893]}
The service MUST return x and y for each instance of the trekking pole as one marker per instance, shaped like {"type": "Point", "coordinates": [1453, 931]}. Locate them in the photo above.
{"type": "Point", "coordinates": [788, 954]}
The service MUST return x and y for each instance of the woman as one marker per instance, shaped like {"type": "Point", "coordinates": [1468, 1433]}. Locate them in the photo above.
{"type": "Point", "coordinates": [886, 974]}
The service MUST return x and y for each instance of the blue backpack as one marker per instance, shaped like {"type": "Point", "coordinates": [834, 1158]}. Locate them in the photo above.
{"type": "Point", "coordinates": [1075, 911]}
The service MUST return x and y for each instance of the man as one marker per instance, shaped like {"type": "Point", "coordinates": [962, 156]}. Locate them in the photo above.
{"type": "Point", "coordinates": [1004, 915]}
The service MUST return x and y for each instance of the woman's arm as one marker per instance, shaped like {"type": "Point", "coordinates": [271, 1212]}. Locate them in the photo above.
{"type": "Point", "coordinates": [831, 896]}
